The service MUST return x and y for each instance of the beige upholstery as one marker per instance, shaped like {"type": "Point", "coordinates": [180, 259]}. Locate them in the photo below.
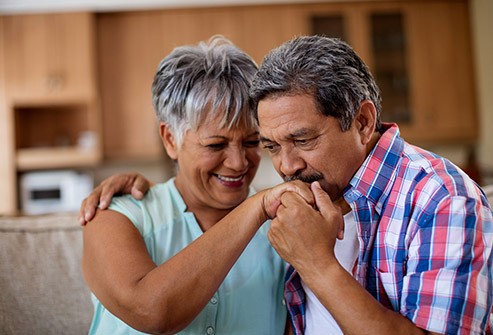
{"type": "Point", "coordinates": [42, 290]}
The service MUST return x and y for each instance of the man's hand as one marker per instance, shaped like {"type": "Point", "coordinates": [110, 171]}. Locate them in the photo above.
{"type": "Point", "coordinates": [301, 233]}
{"type": "Point", "coordinates": [123, 183]}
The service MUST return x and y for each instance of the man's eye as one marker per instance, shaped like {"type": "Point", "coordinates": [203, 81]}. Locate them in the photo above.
{"type": "Point", "coordinates": [302, 142]}
{"type": "Point", "coordinates": [272, 148]}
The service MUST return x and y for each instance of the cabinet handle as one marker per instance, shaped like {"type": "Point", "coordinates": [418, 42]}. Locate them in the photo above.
{"type": "Point", "coordinates": [55, 82]}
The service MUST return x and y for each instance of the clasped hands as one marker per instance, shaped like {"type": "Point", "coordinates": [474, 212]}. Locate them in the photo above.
{"type": "Point", "coordinates": [305, 225]}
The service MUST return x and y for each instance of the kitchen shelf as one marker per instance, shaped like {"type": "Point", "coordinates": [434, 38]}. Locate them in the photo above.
{"type": "Point", "coordinates": [52, 158]}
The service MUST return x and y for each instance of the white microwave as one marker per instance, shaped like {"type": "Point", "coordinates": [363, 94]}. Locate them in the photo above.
{"type": "Point", "coordinates": [53, 191]}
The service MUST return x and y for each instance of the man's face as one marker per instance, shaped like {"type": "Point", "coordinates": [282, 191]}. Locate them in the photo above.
{"type": "Point", "coordinates": [305, 144]}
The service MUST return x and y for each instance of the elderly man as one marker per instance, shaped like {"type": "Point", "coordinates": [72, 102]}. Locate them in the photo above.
{"type": "Point", "coordinates": [400, 239]}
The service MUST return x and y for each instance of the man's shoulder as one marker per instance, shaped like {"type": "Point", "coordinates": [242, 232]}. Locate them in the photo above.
{"type": "Point", "coordinates": [433, 177]}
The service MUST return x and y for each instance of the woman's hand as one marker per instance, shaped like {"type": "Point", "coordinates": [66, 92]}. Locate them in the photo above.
{"type": "Point", "coordinates": [271, 198]}
{"type": "Point", "coordinates": [122, 183]}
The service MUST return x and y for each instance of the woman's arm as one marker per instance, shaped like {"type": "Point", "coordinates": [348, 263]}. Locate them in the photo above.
{"type": "Point", "coordinates": [119, 271]}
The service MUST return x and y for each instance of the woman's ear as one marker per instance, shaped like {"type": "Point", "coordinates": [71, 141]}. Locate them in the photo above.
{"type": "Point", "coordinates": [366, 120]}
{"type": "Point", "coordinates": [169, 141]}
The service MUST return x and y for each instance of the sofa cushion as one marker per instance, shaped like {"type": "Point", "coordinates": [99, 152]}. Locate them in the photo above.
{"type": "Point", "coordinates": [41, 283]}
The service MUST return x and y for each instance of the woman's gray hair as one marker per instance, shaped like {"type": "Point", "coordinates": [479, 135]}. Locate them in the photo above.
{"type": "Point", "coordinates": [194, 83]}
{"type": "Point", "coordinates": [326, 67]}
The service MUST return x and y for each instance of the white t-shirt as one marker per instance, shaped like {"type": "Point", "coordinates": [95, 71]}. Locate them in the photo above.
{"type": "Point", "coordinates": [318, 319]}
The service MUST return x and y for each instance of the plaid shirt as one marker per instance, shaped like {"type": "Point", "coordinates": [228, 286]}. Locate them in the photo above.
{"type": "Point", "coordinates": [426, 235]}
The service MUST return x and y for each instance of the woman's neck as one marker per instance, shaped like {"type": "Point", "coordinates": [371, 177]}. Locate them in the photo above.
{"type": "Point", "coordinates": [207, 217]}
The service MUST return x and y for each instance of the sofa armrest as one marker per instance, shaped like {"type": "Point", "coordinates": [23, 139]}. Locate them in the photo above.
{"type": "Point", "coordinates": [41, 283]}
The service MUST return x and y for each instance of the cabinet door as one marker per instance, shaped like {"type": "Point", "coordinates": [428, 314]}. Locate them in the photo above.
{"type": "Point", "coordinates": [130, 46]}
{"type": "Point", "coordinates": [8, 193]}
{"type": "Point", "coordinates": [266, 27]}
{"type": "Point", "coordinates": [442, 81]}
{"type": "Point", "coordinates": [52, 58]}
{"type": "Point", "coordinates": [420, 55]}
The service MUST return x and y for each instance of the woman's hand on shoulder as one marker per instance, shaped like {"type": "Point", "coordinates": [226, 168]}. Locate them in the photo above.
{"type": "Point", "coordinates": [122, 183]}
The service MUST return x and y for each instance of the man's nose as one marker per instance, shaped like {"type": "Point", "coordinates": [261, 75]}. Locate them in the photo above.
{"type": "Point", "coordinates": [291, 164]}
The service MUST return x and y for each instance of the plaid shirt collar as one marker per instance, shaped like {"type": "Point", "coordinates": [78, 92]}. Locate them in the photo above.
{"type": "Point", "coordinates": [377, 173]}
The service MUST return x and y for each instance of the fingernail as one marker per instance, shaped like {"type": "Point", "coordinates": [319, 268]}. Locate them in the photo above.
{"type": "Point", "coordinates": [81, 221]}
{"type": "Point", "coordinates": [103, 203]}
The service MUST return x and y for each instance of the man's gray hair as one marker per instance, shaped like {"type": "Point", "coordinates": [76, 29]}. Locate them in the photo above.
{"type": "Point", "coordinates": [195, 83]}
{"type": "Point", "coordinates": [326, 68]}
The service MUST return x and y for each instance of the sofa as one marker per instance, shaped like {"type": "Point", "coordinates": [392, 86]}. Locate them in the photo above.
{"type": "Point", "coordinates": [42, 290]}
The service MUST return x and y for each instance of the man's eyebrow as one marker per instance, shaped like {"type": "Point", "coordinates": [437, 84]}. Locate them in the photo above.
{"type": "Point", "coordinates": [299, 133]}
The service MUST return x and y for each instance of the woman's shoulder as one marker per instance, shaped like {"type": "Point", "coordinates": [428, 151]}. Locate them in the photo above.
{"type": "Point", "coordinates": [159, 203]}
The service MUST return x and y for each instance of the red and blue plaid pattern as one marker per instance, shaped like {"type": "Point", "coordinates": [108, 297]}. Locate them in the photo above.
{"type": "Point", "coordinates": [426, 236]}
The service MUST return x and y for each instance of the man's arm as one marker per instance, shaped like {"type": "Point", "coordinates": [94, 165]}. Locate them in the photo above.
{"type": "Point", "coordinates": [305, 238]}
{"type": "Point", "coordinates": [122, 183]}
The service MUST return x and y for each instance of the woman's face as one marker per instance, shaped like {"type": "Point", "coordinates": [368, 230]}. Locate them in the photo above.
{"type": "Point", "coordinates": [216, 166]}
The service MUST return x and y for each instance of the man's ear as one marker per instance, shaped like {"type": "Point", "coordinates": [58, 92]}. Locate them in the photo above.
{"type": "Point", "coordinates": [366, 120]}
{"type": "Point", "coordinates": [169, 141]}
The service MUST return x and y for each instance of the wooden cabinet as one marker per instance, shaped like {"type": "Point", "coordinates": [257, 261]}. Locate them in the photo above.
{"type": "Point", "coordinates": [419, 52]}
{"type": "Point", "coordinates": [7, 166]}
{"type": "Point", "coordinates": [52, 59]}
{"type": "Point", "coordinates": [131, 45]}
{"type": "Point", "coordinates": [441, 73]}
{"type": "Point", "coordinates": [51, 106]}
{"type": "Point", "coordinates": [420, 55]}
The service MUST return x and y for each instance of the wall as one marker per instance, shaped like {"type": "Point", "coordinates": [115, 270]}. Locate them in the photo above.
{"type": "Point", "coordinates": [482, 27]}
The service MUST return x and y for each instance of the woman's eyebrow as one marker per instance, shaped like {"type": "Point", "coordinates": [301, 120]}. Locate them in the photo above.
{"type": "Point", "coordinates": [255, 133]}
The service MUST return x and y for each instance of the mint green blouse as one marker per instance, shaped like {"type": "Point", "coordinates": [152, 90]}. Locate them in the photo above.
{"type": "Point", "coordinates": [250, 299]}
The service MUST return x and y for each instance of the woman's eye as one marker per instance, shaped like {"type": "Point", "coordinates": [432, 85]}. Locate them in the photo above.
{"type": "Point", "coordinates": [216, 146]}
{"type": "Point", "coordinates": [252, 144]}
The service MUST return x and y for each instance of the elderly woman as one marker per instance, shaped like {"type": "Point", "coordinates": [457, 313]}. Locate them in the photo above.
{"type": "Point", "coordinates": [192, 256]}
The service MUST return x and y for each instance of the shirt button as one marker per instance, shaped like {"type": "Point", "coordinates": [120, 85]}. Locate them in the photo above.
{"type": "Point", "coordinates": [213, 300]}
{"type": "Point", "coordinates": [210, 331]}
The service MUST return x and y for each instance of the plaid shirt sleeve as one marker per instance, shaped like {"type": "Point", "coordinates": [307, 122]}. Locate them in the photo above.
{"type": "Point", "coordinates": [448, 284]}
